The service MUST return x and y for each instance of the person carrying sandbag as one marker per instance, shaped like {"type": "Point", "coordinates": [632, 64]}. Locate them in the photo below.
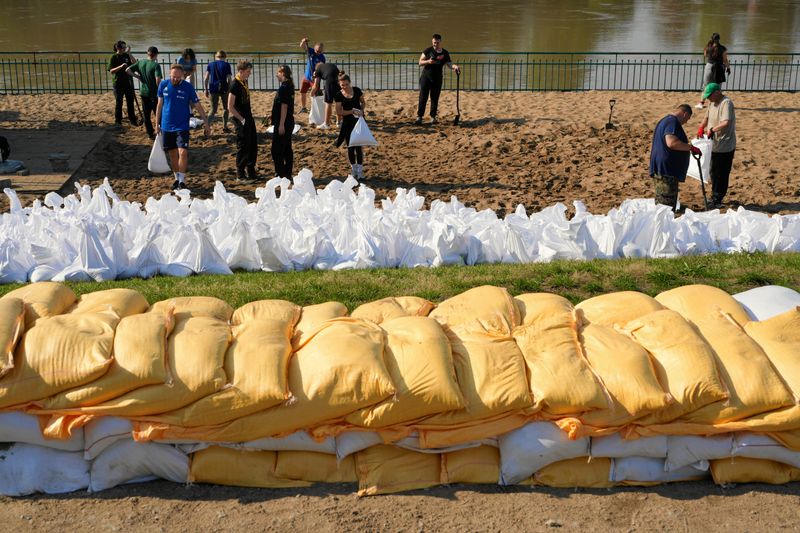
{"type": "Point", "coordinates": [669, 155]}
{"type": "Point", "coordinates": [349, 106]}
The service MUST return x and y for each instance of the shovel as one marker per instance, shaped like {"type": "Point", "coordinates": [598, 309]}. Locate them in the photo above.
{"type": "Point", "coordinates": [458, 109]}
{"type": "Point", "coordinates": [702, 183]}
{"type": "Point", "coordinates": [611, 103]}
{"type": "Point", "coordinates": [139, 115]}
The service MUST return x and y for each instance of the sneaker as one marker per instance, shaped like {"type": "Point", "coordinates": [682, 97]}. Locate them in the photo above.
{"type": "Point", "coordinates": [176, 185]}
{"type": "Point", "coordinates": [433, 120]}
{"type": "Point", "coordinates": [183, 185]}
{"type": "Point", "coordinates": [698, 106]}
{"type": "Point", "coordinates": [323, 127]}
{"type": "Point", "coordinates": [418, 121]}
{"type": "Point", "coordinates": [304, 110]}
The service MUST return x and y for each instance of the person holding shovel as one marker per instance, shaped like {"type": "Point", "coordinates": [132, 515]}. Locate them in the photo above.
{"type": "Point", "coordinates": [719, 125]}
{"type": "Point", "coordinates": [669, 155]}
{"type": "Point", "coordinates": [432, 60]}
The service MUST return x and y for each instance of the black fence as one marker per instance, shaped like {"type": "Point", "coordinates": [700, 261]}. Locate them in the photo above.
{"type": "Point", "coordinates": [85, 72]}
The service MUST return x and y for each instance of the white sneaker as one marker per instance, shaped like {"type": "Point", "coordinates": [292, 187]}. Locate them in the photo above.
{"type": "Point", "coordinates": [698, 106]}
{"type": "Point", "coordinates": [360, 170]}
{"type": "Point", "coordinates": [323, 127]}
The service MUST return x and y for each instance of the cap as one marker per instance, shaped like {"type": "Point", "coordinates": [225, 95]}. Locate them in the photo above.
{"type": "Point", "coordinates": [710, 89]}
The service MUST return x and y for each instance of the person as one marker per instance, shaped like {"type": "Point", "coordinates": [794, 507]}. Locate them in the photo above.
{"type": "Point", "coordinates": [175, 97]}
{"type": "Point", "coordinates": [719, 125]}
{"type": "Point", "coordinates": [283, 123]}
{"type": "Point", "coordinates": [118, 63]}
{"type": "Point", "coordinates": [717, 64]}
{"type": "Point", "coordinates": [246, 139]}
{"type": "Point", "coordinates": [188, 61]}
{"type": "Point", "coordinates": [217, 83]}
{"type": "Point", "coordinates": [349, 106]}
{"type": "Point", "coordinates": [315, 56]}
{"type": "Point", "coordinates": [329, 74]}
{"type": "Point", "coordinates": [433, 60]}
{"type": "Point", "coordinates": [669, 155]}
{"type": "Point", "coordinates": [148, 72]}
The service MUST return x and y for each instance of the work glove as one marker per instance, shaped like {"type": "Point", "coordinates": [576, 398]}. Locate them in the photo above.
{"type": "Point", "coordinates": [695, 151]}
{"type": "Point", "coordinates": [700, 132]}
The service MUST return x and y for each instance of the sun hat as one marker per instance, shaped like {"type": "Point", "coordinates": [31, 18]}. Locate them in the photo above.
{"type": "Point", "coordinates": [710, 89]}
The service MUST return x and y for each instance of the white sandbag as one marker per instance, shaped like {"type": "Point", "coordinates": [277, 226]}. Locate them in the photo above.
{"type": "Point", "coordinates": [27, 469]}
{"type": "Point", "coordinates": [102, 432]}
{"type": "Point", "coordinates": [20, 427]}
{"type": "Point", "coordinates": [705, 145]}
{"type": "Point", "coordinates": [158, 164]}
{"type": "Point", "coordinates": [685, 450]}
{"type": "Point", "coordinates": [361, 136]}
{"type": "Point", "coordinates": [296, 128]}
{"type": "Point", "coordinates": [651, 470]}
{"type": "Point", "coordinates": [317, 114]}
{"type": "Point", "coordinates": [299, 441]}
{"type": "Point", "coordinates": [766, 302]}
{"type": "Point", "coordinates": [614, 446]}
{"type": "Point", "coordinates": [135, 462]}
{"type": "Point", "coordinates": [195, 123]}
{"type": "Point", "coordinates": [534, 446]}
{"type": "Point", "coordinates": [350, 442]}
{"type": "Point", "coordinates": [758, 446]}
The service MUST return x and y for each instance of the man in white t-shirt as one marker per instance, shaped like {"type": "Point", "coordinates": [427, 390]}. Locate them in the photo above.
{"type": "Point", "coordinates": [720, 126]}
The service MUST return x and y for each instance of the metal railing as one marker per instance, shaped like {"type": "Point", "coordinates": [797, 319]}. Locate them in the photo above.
{"type": "Point", "coordinates": [85, 72]}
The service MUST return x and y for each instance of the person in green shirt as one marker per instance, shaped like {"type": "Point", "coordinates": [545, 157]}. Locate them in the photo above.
{"type": "Point", "coordinates": [118, 63]}
{"type": "Point", "coordinates": [148, 72]}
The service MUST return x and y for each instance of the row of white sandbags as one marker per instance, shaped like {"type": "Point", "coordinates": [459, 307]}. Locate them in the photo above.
{"type": "Point", "coordinates": [293, 226]}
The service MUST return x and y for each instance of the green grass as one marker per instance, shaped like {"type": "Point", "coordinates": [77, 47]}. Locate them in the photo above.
{"type": "Point", "coordinates": [576, 280]}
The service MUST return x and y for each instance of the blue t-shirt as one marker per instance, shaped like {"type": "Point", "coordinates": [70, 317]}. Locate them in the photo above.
{"type": "Point", "coordinates": [178, 100]}
{"type": "Point", "coordinates": [187, 64]}
{"type": "Point", "coordinates": [311, 64]}
{"type": "Point", "coordinates": [218, 72]}
{"type": "Point", "coordinates": [666, 162]}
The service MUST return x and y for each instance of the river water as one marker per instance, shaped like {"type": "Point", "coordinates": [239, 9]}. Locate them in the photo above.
{"type": "Point", "coordinates": [379, 25]}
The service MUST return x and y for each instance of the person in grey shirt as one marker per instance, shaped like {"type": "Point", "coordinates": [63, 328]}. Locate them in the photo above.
{"type": "Point", "coordinates": [720, 126]}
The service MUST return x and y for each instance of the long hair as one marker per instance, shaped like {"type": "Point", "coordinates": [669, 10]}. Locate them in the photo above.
{"type": "Point", "coordinates": [287, 74]}
{"type": "Point", "coordinates": [712, 46]}
{"type": "Point", "coordinates": [189, 52]}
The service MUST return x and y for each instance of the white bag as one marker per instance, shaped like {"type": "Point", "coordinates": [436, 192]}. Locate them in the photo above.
{"type": "Point", "coordinates": [532, 447]}
{"type": "Point", "coordinates": [757, 446]}
{"type": "Point", "coordinates": [705, 145]}
{"type": "Point", "coordinates": [651, 470]}
{"type": "Point", "coordinates": [361, 136]}
{"type": "Point", "coordinates": [614, 446]}
{"type": "Point", "coordinates": [158, 163]}
{"type": "Point", "coordinates": [299, 441]}
{"type": "Point", "coordinates": [25, 469]}
{"type": "Point", "coordinates": [317, 115]}
{"type": "Point", "coordinates": [350, 442]}
{"type": "Point", "coordinates": [20, 427]}
{"type": "Point", "coordinates": [684, 450]}
{"type": "Point", "coordinates": [129, 461]}
{"type": "Point", "coordinates": [766, 302]}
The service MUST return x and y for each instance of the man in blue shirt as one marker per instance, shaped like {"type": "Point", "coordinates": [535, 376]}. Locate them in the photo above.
{"type": "Point", "coordinates": [175, 99]}
{"type": "Point", "coordinates": [669, 155]}
{"type": "Point", "coordinates": [315, 56]}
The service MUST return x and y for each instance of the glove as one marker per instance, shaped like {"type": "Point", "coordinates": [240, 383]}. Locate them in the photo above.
{"type": "Point", "coordinates": [700, 132]}
{"type": "Point", "coordinates": [695, 151]}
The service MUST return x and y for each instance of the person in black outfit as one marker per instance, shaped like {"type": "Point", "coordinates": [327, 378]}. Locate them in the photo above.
{"type": "Point", "coordinates": [123, 84]}
{"type": "Point", "coordinates": [433, 60]}
{"type": "Point", "coordinates": [283, 123]}
{"type": "Point", "coordinates": [349, 106]}
{"type": "Point", "coordinates": [246, 138]}
{"type": "Point", "coordinates": [329, 74]}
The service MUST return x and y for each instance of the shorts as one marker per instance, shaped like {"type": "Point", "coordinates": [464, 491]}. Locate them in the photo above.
{"type": "Point", "coordinates": [171, 140]}
{"type": "Point", "coordinates": [330, 91]}
{"type": "Point", "coordinates": [305, 86]}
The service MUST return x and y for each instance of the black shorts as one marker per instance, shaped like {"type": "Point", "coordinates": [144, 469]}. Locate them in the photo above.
{"type": "Point", "coordinates": [171, 140]}
{"type": "Point", "coordinates": [330, 91]}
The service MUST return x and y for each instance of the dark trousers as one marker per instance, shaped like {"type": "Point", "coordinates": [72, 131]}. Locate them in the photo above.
{"type": "Point", "coordinates": [149, 108]}
{"type": "Point", "coordinates": [355, 154]}
{"type": "Point", "coordinates": [124, 88]}
{"type": "Point", "coordinates": [282, 153]}
{"type": "Point", "coordinates": [721, 163]}
{"type": "Point", "coordinates": [429, 86]}
{"type": "Point", "coordinates": [246, 146]}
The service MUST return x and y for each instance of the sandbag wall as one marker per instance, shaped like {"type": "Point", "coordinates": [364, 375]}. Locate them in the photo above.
{"type": "Point", "coordinates": [399, 394]}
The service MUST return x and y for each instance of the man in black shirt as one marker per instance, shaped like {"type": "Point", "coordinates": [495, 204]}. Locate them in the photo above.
{"type": "Point", "coordinates": [329, 74]}
{"type": "Point", "coordinates": [123, 84]}
{"type": "Point", "coordinates": [246, 138]}
{"type": "Point", "coordinates": [433, 60]}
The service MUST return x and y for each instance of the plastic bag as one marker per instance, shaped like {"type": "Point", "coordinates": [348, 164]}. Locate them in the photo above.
{"type": "Point", "coordinates": [158, 163]}
{"type": "Point", "coordinates": [361, 136]}
{"type": "Point", "coordinates": [317, 115]}
{"type": "Point", "coordinates": [705, 160]}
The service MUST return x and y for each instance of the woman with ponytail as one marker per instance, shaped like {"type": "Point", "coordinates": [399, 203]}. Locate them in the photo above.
{"type": "Point", "coordinates": [717, 64]}
{"type": "Point", "coordinates": [283, 123]}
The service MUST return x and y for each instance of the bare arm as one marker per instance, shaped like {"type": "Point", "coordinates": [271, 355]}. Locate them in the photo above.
{"type": "Point", "coordinates": [206, 128]}
{"type": "Point", "coordinates": [284, 112]}
{"type": "Point", "coordinates": [159, 107]}
{"type": "Point", "coordinates": [304, 44]}
{"type": "Point", "coordinates": [135, 73]}
{"type": "Point", "coordinates": [423, 61]}
{"type": "Point", "coordinates": [205, 82]}
{"type": "Point", "coordinates": [455, 68]}
{"type": "Point", "coordinates": [673, 143]}
{"type": "Point", "coordinates": [725, 60]}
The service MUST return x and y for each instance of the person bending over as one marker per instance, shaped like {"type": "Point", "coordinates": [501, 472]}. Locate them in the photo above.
{"type": "Point", "coordinates": [327, 76]}
{"type": "Point", "coordinates": [246, 138]}
{"type": "Point", "coordinates": [669, 155]}
{"type": "Point", "coordinates": [349, 106]}
{"type": "Point", "coordinates": [283, 123]}
{"type": "Point", "coordinates": [433, 60]}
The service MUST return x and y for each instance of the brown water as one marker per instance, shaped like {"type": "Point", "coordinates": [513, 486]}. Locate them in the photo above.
{"type": "Point", "coordinates": [380, 25]}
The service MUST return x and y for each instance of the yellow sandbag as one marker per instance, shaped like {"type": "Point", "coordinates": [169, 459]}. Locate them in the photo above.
{"type": "Point", "coordinates": [617, 307]}
{"type": "Point", "coordinates": [627, 374]}
{"type": "Point", "coordinates": [193, 306]}
{"type": "Point", "coordinates": [124, 302]}
{"type": "Point", "coordinates": [339, 370]}
{"type": "Point", "coordinates": [790, 439]}
{"type": "Point", "coordinates": [388, 308]}
{"type": "Point", "coordinates": [684, 363]}
{"type": "Point", "coordinates": [779, 337]}
{"type": "Point", "coordinates": [238, 468]}
{"type": "Point", "coordinates": [256, 365]}
{"type": "Point", "coordinates": [560, 378]}
{"type": "Point", "coordinates": [481, 303]}
{"type": "Point", "coordinates": [695, 302]}
{"type": "Point", "coordinates": [57, 354]}
{"type": "Point", "coordinates": [140, 359]}
{"type": "Point", "coordinates": [473, 465]}
{"type": "Point", "coordinates": [388, 469]}
{"type": "Point", "coordinates": [576, 473]}
{"type": "Point", "coordinates": [533, 307]}
{"type": "Point", "coordinates": [280, 310]}
{"type": "Point", "coordinates": [747, 470]}
{"type": "Point", "coordinates": [12, 322]}
{"type": "Point", "coordinates": [420, 363]}
{"type": "Point", "coordinates": [43, 300]}
{"type": "Point", "coordinates": [312, 317]}
{"type": "Point", "coordinates": [316, 467]}
{"type": "Point", "coordinates": [195, 355]}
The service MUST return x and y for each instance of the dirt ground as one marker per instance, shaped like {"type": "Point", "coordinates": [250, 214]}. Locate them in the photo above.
{"type": "Point", "coordinates": [510, 148]}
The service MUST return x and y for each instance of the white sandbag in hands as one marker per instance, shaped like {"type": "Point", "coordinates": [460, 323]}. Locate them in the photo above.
{"type": "Point", "coordinates": [361, 136]}
{"type": "Point", "coordinates": [158, 164]}
{"type": "Point", "coordinates": [704, 145]}
{"type": "Point", "coordinates": [317, 115]}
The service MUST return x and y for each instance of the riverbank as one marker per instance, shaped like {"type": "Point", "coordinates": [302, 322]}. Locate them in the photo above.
{"type": "Point", "coordinates": [510, 148]}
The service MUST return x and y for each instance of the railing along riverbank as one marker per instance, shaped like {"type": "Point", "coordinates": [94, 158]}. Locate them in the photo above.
{"type": "Point", "coordinates": [85, 72]}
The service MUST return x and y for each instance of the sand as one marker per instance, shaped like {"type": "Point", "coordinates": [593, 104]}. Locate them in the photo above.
{"type": "Point", "coordinates": [510, 148]}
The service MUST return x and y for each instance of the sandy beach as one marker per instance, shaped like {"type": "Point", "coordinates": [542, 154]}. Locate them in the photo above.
{"type": "Point", "coordinates": [510, 148]}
